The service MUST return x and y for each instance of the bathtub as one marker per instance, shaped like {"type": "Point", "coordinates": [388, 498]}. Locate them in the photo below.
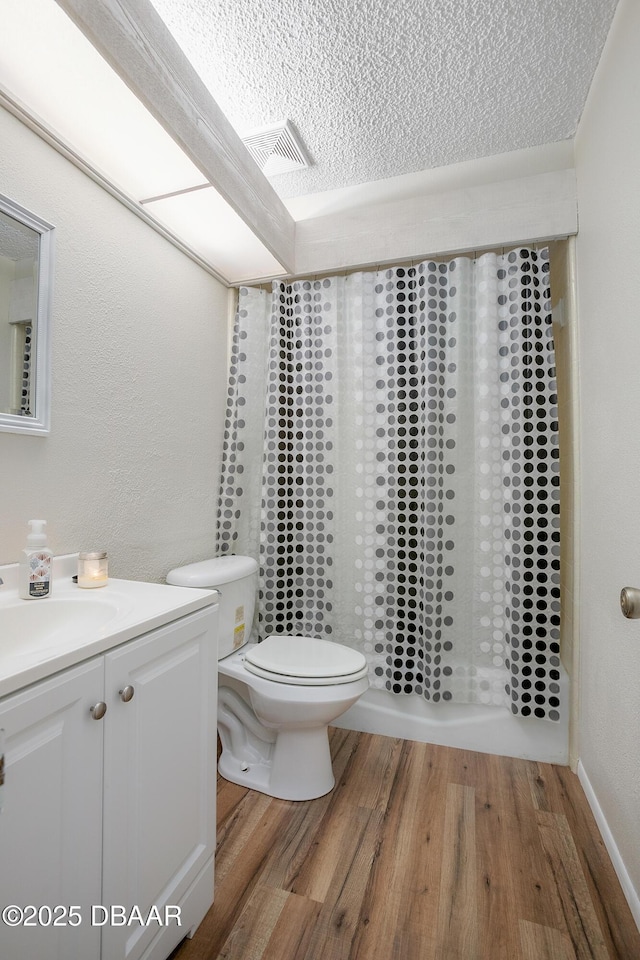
{"type": "Point", "coordinates": [466, 726]}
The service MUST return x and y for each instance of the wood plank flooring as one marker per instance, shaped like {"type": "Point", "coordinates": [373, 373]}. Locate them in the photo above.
{"type": "Point", "coordinates": [420, 853]}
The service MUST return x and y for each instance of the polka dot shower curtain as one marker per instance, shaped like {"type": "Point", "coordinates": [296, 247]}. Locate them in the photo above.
{"type": "Point", "coordinates": [391, 458]}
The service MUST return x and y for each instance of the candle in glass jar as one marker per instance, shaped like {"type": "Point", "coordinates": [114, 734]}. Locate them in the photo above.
{"type": "Point", "coordinates": [93, 569]}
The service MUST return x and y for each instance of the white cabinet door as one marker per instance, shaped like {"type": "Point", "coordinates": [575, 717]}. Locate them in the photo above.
{"type": "Point", "coordinates": [51, 821]}
{"type": "Point", "coordinates": [160, 780]}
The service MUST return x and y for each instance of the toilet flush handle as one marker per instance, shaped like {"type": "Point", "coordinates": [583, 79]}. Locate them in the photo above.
{"type": "Point", "coordinates": [630, 602]}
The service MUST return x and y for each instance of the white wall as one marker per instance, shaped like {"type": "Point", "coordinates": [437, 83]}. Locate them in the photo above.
{"type": "Point", "coordinates": [139, 372]}
{"type": "Point", "coordinates": [608, 262]}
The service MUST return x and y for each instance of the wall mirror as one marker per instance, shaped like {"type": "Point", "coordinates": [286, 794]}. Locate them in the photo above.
{"type": "Point", "coordinates": [26, 284]}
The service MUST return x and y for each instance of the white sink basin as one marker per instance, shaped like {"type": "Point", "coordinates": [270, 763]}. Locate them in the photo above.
{"type": "Point", "coordinates": [30, 625]}
{"type": "Point", "coordinates": [40, 637]}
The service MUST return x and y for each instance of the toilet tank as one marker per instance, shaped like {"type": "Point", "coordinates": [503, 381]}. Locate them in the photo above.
{"type": "Point", "coordinates": [237, 580]}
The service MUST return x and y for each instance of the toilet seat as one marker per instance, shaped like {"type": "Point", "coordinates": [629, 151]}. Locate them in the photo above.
{"type": "Point", "coordinates": [304, 661]}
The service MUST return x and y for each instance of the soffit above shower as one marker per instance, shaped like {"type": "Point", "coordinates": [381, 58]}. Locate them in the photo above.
{"type": "Point", "coordinates": [379, 90]}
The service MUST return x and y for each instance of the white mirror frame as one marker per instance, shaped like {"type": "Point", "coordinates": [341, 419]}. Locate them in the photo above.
{"type": "Point", "coordinates": [40, 422]}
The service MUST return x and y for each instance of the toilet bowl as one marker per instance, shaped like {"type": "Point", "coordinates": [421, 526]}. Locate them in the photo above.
{"type": "Point", "coordinates": [275, 698]}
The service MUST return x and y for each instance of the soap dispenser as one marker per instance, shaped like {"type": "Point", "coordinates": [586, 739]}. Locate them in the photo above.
{"type": "Point", "coordinates": [36, 563]}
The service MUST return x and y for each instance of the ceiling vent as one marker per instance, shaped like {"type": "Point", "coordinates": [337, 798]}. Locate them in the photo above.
{"type": "Point", "coordinates": [277, 149]}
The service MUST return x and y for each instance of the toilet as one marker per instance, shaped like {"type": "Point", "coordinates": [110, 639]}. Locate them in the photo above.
{"type": "Point", "coordinates": [275, 698]}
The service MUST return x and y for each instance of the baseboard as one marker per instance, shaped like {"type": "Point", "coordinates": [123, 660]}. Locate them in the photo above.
{"type": "Point", "coordinates": [618, 864]}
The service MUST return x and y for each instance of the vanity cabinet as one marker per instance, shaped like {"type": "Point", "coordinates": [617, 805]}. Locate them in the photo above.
{"type": "Point", "coordinates": [51, 819]}
{"type": "Point", "coordinates": [114, 813]}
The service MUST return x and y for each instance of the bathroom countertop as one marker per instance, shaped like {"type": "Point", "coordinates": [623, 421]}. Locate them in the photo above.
{"type": "Point", "coordinates": [40, 637]}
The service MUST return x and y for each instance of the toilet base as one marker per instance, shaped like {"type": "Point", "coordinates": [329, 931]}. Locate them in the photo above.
{"type": "Point", "coordinates": [275, 736]}
{"type": "Point", "coordinates": [297, 767]}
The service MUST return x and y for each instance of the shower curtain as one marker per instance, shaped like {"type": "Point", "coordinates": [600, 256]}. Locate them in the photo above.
{"type": "Point", "coordinates": [391, 459]}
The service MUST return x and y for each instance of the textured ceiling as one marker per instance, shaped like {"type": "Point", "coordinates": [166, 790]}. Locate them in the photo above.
{"type": "Point", "coordinates": [378, 88]}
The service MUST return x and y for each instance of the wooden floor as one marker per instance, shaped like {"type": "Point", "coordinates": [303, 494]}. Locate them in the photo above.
{"type": "Point", "coordinates": [419, 853]}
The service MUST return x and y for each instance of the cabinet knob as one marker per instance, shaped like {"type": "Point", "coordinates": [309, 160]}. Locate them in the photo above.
{"type": "Point", "coordinates": [126, 694]}
{"type": "Point", "coordinates": [98, 710]}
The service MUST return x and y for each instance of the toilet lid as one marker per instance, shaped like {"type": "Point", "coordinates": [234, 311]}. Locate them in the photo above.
{"type": "Point", "coordinates": [305, 660]}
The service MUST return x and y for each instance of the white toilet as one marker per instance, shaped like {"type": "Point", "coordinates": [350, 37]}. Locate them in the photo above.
{"type": "Point", "coordinates": [275, 698]}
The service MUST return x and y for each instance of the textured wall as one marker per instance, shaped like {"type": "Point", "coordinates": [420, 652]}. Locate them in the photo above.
{"type": "Point", "coordinates": [608, 251]}
{"type": "Point", "coordinates": [139, 359]}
